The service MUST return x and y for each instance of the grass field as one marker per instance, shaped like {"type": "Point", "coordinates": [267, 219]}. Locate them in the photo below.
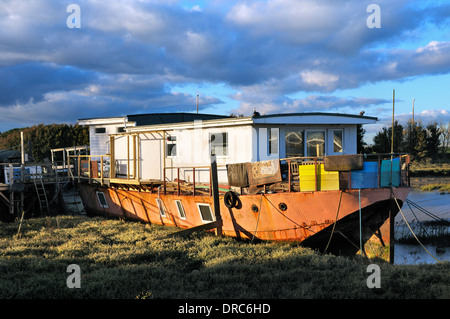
{"type": "Point", "coordinates": [441, 170]}
{"type": "Point", "coordinates": [131, 260]}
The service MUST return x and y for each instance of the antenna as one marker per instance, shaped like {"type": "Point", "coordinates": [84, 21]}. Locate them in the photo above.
{"type": "Point", "coordinates": [197, 103]}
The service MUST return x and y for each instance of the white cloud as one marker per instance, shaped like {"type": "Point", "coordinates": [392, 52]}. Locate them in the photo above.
{"type": "Point", "coordinates": [318, 78]}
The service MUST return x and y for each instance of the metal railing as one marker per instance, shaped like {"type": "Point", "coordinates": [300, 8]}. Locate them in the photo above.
{"type": "Point", "coordinates": [28, 172]}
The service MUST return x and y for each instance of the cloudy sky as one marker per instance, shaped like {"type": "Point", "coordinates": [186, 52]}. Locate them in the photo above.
{"type": "Point", "coordinates": [143, 56]}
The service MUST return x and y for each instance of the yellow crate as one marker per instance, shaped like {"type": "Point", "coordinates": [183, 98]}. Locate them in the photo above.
{"type": "Point", "coordinates": [326, 180]}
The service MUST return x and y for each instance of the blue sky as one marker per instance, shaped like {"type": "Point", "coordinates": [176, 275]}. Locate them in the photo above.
{"type": "Point", "coordinates": [278, 56]}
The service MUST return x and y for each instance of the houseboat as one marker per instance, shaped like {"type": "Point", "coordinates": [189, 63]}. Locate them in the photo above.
{"type": "Point", "coordinates": [281, 177]}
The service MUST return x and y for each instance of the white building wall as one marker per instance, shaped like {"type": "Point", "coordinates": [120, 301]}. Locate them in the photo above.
{"type": "Point", "coordinates": [192, 150]}
{"type": "Point", "coordinates": [99, 142]}
{"type": "Point", "coordinates": [245, 143]}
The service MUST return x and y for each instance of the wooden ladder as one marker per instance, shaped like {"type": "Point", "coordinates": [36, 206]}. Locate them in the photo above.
{"type": "Point", "coordinates": [42, 195]}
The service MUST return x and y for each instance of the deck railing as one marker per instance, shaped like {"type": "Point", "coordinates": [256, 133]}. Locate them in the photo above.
{"type": "Point", "coordinates": [99, 169]}
{"type": "Point", "coordinates": [28, 172]}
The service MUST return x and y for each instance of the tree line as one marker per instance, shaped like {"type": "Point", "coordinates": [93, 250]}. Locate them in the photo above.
{"type": "Point", "coordinates": [423, 142]}
{"type": "Point", "coordinates": [42, 138]}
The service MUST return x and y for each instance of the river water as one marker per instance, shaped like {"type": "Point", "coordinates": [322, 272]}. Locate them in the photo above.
{"type": "Point", "coordinates": [435, 203]}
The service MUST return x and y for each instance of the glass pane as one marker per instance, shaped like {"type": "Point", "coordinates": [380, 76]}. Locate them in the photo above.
{"type": "Point", "coordinates": [273, 141]}
{"type": "Point", "coordinates": [205, 212]}
{"type": "Point", "coordinates": [180, 209]}
{"type": "Point", "coordinates": [315, 143]}
{"type": "Point", "coordinates": [171, 149]}
{"type": "Point", "coordinates": [219, 144]}
{"type": "Point", "coordinates": [337, 141]}
{"type": "Point", "coordinates": [294, 142]}
{"type": "Point", "coordinates": [161, 207]}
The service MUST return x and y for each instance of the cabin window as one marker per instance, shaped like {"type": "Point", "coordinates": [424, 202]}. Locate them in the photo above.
{"type": "Point", "coordinates": [100, 130]}
{"type": "Point", "coordinates": [219, 144]}
{"type": "Point", "coordinates": [162, 211]}
{"type": "Point", "coordinates": [205, 212]}
{"type": "Point", "coordinates": [120, 129]}
{"type": "Point", "coordinates": [272, 136]}
{"type": "Point", "coordinates": [294, 142]}
{"type": "Point", "coordinates": [171, 148]}
{"type": "Point", "coordinates": [338, 146]}
{"type": "Point", "coordinates": [180, 209]}
{"type": "Point", "coordinates": [315, 143]}
{"type": "Point", "coordinates": [102, 200]}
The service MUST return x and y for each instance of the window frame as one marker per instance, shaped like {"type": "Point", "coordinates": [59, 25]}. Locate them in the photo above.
{"type": "Point", "coordinates": [99, 128]}
{"type": "Point", "coordinates": [162, 210]}
{"type": "Point", "coordinates": [177, 201]}
{"type": "Point", "coordinates": [210, 209]}
{"type": "Point", "coordinates": [271, 152]}
{"type": "Point", "coordinates": [342, 140]}
{"type": "Point", "coordinates": [100, 201]}
{"type": "Point", "coordinates": [171, 142]}
{"type": "Point", "coordinates": [324, 141]}
{"type": "Point", "coordinates": [290, 129]}
{"type": "Point", "coordinates": [226, 144]}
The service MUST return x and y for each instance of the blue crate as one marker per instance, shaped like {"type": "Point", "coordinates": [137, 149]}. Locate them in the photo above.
{"type": "Point", "coordinates": [365, 178]}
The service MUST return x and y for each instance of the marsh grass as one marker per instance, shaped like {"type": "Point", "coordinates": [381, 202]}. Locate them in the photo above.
{"type": "Point", "coordinates": [133, 260]}
{"type": "Point", "coordinates": [441, 187]}
{"type": "Point", "coordinates": [428, 169]}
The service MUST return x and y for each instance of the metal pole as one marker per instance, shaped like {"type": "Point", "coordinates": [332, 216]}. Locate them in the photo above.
{"type": "Point", "coordinates": [392, 137]}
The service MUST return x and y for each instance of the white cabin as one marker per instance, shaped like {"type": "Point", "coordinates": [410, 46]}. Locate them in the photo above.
{"type": "Point", "coordinates": [183, 140]}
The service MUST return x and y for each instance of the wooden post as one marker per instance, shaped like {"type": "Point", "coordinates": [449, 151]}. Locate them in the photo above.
{"type": "Point", "coordinates": [289, 176]}
{"type": "Point", "coordinates": [164, 161]}
{"type": "Point", "coordinates": [22, 171]}
{"type": "Point", "coordinates": [215, 184]}
{"type": "Point", "coordinates": [138, 157]}
{"type": "Point", "coordinates": [11, 189]}
{"type": "Point", "coordinates": [79, 167]}
{"type": "Point", "coordinates": [89, 168]}
{"type": "Point", "coordinates": [315, 173]}
{"type": "Point", "coordinates": [128, 156]}
{"type": "Point", "coordinates": [178, 181]}
{"type": "Point", "coordinates": [210, 183]}
{"type": "Point", "coordinates": [112, 160]}
{"type": "Point", "coordinates": [391, 232]}
{"type": "Point", "coordinates": [193, 181]}
{"type": "Point", "coordinates": [134, 156]}
{"type": "Point", "coordinates": [101, 168]}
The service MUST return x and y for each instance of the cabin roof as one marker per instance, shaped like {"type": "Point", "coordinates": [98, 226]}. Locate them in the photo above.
{"type": "Point", "coordinates": [151, 119]}
{"type": "Point", "coordinates": [170, 121]}
{"type": "Point", "coordinates": [166, 118]}
{"type": "Point", "coordinates": [318, 114]}
{"type": "Point", "coordinates": [314, 118]}
{"type": "Point", "coordinates": [274, 119]}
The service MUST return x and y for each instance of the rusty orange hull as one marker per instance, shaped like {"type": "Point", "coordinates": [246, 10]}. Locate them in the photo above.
{"type": "Point", "coordinates": [307, 217]}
